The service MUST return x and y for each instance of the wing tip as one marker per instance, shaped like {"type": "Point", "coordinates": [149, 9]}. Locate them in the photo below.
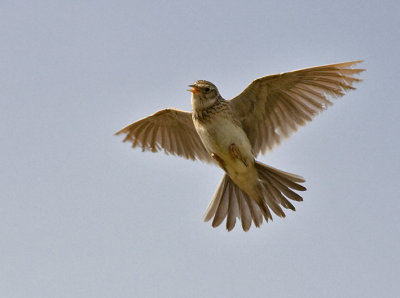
{"type": "Point", "coordinates": [118, 132]}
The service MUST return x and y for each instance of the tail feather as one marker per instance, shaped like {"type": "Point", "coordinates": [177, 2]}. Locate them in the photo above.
{"type": "Point", "coordinates": [285, 181]}
{"type": "Point", "coordinates": [279, 173]}
{"type": "Point", "coordinates": [223, 205]}
{"type": "Point", "coordinates": [255, 211]}
{"type": "Point", "coordinates": [245, 215]}
{"type": "Point", "coordinates": [231, 202]}
{"type": "Point", "coordinates": [212, 207]}
{"type": "Point", "coordinates": [281, 198]}
{"type": "Point", "coordinates": [233, 209]}
{"type": "Point", "coordinates": [274, 188]}
{"type": "Point", "coordinates": [279, 182]}
{"type": "Point", "coordinates": [270, 200]}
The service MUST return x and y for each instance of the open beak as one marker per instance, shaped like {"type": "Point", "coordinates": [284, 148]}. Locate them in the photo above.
{"type": "Point", "coordinates": [193, 90]}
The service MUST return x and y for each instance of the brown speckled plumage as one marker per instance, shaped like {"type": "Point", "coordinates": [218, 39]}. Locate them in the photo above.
{"type": "Point", "coordinates": [231, 133]}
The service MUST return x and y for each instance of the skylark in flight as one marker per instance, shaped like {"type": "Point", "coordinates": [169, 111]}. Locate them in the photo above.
{"type": "Point", "coordinates": [231, 133]}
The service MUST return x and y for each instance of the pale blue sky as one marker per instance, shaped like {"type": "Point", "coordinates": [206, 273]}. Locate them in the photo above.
{"type": "Point", "coordinates": [84, 215]}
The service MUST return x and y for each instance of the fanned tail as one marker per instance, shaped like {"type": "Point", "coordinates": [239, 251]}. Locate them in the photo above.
{"type": "Point", "coordinates": [231, 202]}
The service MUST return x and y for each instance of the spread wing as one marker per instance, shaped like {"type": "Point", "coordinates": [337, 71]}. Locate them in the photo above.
{"type": "Point", "coordinates": [273, 107]}
{"type": "Point", "coordinates": [171, 130]}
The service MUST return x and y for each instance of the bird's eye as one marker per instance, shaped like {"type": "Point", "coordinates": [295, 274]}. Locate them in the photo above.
{"type": "Point", "coordinates": [206, 89]}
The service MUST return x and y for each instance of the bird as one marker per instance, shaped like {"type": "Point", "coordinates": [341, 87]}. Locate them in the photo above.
{"type": "Point", "coordinates": [232, 133]}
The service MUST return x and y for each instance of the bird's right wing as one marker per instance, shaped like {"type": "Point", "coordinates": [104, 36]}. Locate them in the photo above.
{"type": "Point", "coordinates": [171, 130]}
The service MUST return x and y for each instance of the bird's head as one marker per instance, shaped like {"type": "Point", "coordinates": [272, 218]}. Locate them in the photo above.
{"type": "Point", "coordinates": [204, 94]}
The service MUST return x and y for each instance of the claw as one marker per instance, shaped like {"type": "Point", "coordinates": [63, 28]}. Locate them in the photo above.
{"type": "Point", "coordinates": [219, 160]}
{"type": "Point", "coordinates": [235, 153]}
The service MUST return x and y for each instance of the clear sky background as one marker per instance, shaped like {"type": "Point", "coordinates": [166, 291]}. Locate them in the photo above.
{"type": "Point", "coordinates": [84, 215]}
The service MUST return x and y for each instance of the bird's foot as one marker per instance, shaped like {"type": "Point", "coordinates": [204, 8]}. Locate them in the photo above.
{"type": "Point", "coordinates": [235, 153]}
{"type": "Point", "coordinates": [219, 160]}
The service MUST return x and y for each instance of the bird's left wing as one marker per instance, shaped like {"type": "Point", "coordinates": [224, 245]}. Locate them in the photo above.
{"type": "Point", "coordinates": [273, 107]}
{"type": "Point", "coordinates": [170, 130]}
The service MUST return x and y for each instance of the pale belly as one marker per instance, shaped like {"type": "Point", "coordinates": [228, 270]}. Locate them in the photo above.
{"type": "Point", "coordinates": [219, 136]}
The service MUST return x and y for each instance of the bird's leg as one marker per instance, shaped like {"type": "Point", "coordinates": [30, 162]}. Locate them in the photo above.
{"type": "Point", "coordinates": [219, 160]}
{"type": "Point", "coordinates": [235, 153]}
